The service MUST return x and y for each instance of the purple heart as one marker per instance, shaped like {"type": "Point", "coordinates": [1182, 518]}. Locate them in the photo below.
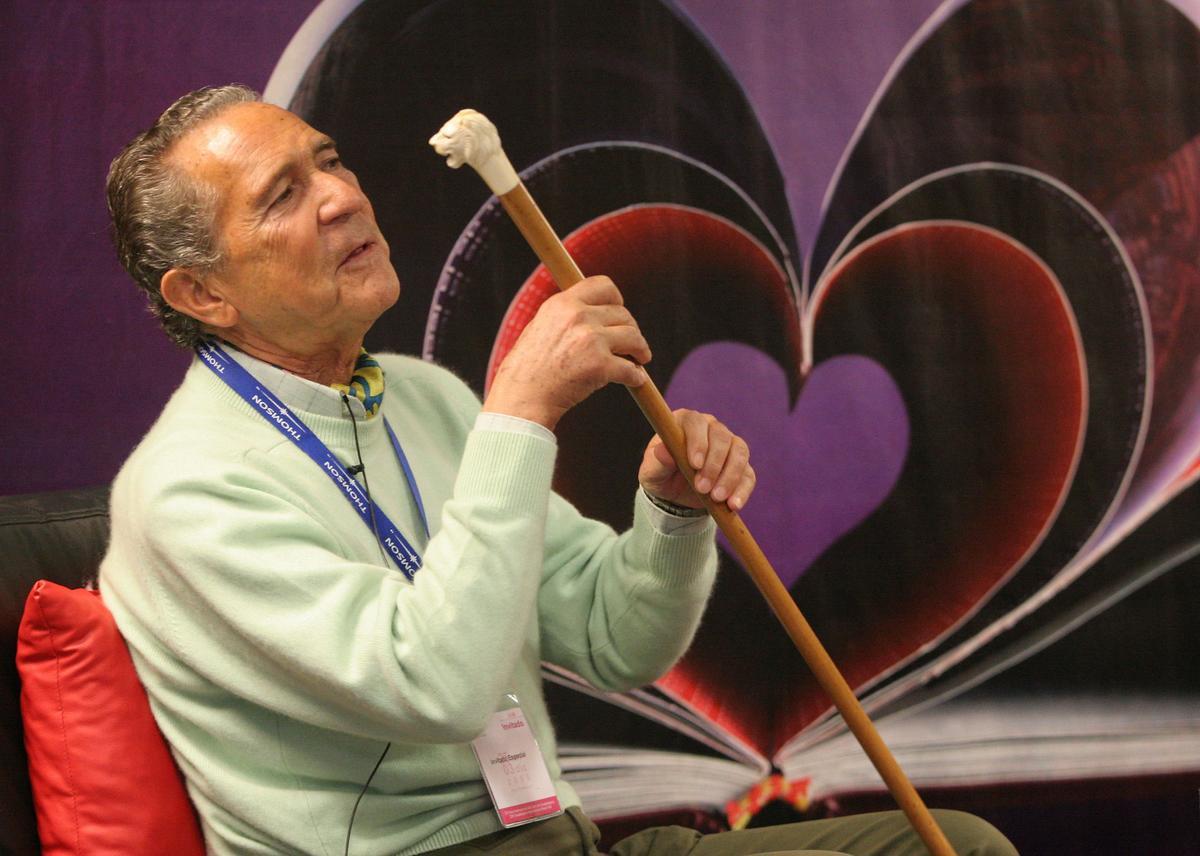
{"type": "Point", "coordinates": [824, 467]}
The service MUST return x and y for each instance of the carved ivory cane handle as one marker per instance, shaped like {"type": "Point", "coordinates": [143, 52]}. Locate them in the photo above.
{"type": "Point", "coordinates": [470, 138]}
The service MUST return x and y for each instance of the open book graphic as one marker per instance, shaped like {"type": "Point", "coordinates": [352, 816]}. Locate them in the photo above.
{"type": "Point", "coordinates": [973, 403]}
{"type": "Point", "coordinates": [994, 391]}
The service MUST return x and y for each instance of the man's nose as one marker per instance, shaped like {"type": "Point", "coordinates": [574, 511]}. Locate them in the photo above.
{"type": "Point", "coordinates": [340, 197]}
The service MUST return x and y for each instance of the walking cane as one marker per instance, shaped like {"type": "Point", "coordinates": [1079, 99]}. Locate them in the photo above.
{"type": "Point", "coordinates": [469, 137]}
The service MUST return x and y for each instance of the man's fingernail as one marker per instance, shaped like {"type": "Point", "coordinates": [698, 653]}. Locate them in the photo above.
{"type": "Point", "coordinates": [703, 484]}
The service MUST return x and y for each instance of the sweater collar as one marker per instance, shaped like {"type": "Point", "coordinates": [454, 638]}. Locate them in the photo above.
{"type": "Point", "coordinates": [311, 397]}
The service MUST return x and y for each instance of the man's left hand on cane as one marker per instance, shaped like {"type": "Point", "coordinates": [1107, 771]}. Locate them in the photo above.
{"type": "Point", "coordinates": [720, 457]}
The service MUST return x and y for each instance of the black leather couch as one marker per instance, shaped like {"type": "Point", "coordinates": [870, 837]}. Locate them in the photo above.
{"type": "Point", "coordinates": [58, 536]}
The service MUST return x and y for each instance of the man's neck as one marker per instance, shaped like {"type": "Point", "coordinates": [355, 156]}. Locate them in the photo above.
{"type": "Point", "coordinates": [324, 366]}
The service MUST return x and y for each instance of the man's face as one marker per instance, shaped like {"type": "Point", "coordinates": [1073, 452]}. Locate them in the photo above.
{"type": "Point", "coordinates": [305, 263]}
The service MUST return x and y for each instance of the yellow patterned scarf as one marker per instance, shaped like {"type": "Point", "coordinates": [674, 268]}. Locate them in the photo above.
{"type": "Point", "coordinates": [366, 384]}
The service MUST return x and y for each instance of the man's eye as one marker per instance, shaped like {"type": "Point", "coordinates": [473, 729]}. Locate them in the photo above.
{"type": "Point", "coordinates": [283, 197]}
{"type": "Point", "coordinates": [333, 163]}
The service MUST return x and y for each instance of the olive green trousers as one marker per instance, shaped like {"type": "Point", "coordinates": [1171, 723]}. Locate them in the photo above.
{"type": "Point", "coordinates": [879, 834]}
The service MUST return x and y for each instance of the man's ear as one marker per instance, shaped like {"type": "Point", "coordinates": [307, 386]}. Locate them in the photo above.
{"type": "Point", "coordinates": [197, 297]}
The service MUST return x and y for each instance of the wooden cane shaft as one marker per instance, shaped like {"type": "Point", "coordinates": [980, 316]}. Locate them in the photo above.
{"type": "Point", "coordinates": [550, 250]}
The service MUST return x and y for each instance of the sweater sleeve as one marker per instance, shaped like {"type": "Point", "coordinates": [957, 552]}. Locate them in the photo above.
{"type": "Point", "coordinates": [620, 610]}
{"type": "Point", "coordinates": [251, 589]}
{"type": "Point", "coordinates": [616, 610]}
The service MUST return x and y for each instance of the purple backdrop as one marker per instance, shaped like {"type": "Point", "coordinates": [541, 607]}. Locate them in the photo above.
{"type": "Point", "coordinates": [80, 79]}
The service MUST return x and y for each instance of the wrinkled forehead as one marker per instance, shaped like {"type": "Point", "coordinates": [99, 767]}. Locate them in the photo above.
{"type": "Point", "coordinates": [236, 149]}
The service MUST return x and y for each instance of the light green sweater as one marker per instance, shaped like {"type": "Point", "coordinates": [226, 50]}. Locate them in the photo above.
{"type": "Point", "coordinates": [281, 653]}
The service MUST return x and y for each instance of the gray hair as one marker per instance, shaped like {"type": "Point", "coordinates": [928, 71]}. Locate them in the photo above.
{"type": "Point", "coordinates": [162, 218]}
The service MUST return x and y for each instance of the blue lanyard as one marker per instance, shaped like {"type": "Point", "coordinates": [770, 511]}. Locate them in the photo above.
{"type": "Point", "coordinates": [291, 426]}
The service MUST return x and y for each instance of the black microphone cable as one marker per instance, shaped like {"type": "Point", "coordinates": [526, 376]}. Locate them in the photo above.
{"type": "Point", "coordinates": [360, 467]}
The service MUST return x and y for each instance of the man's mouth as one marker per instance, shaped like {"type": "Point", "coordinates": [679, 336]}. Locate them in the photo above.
{"type": "Point", "coordinates": [357, 251]}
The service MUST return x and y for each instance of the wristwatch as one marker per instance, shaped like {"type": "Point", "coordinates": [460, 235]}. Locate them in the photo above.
{"type": "Point", "coordinates": [674, 508]}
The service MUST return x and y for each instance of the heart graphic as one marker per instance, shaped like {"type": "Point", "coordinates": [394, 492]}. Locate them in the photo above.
{"type": "Point", "coordinates": [823, 466]}
{"type": "Point", "coordinates": [945, 394]}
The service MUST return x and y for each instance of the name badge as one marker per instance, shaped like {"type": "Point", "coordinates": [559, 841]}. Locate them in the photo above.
{"type": "Point", "coordinates": [514, 770]}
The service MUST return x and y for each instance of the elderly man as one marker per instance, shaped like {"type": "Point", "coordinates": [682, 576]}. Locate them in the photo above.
{"type": "Point", "coordinates": [338, 575]}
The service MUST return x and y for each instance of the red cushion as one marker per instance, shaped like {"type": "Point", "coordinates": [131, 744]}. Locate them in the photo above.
{"type": "Point", "coordinates": [103, 778]}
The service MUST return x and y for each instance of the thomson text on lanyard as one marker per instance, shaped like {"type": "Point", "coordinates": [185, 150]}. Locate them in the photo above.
{"type": "Point", "coordinates": [293, 428]}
